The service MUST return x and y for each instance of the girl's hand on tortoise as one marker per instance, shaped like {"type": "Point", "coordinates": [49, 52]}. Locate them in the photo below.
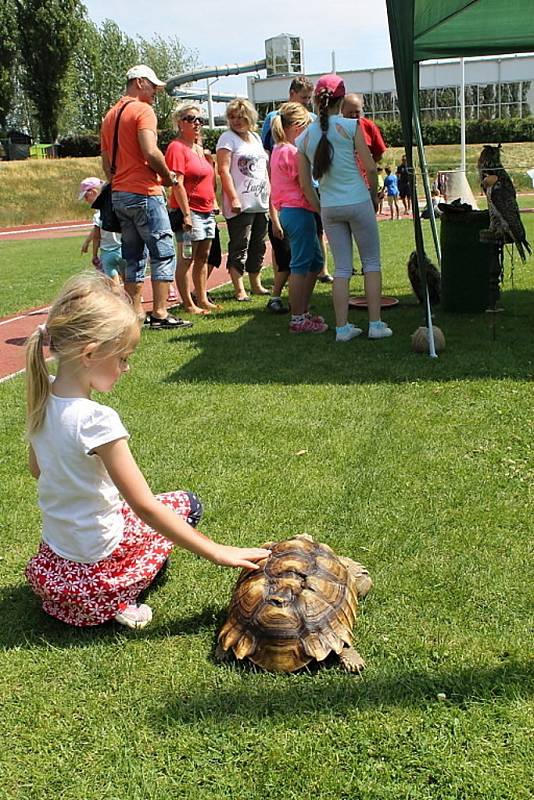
{"type": "Point", "coordinates": [227, 556]}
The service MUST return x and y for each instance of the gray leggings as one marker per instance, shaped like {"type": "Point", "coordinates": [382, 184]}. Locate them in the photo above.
{"type": "Point", "coordinates": [340, 224]}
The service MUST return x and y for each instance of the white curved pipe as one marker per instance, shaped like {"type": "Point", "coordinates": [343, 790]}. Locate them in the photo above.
{"type": "Point", "coordinates": [214, 72]}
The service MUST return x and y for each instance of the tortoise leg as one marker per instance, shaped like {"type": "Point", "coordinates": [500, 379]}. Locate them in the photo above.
{"type": "Point", "coordinates": [222, 655]}
{"type": "Point", "coordinates": [351, 660]}
{"type": "Point", "coordinates": [360, 574]}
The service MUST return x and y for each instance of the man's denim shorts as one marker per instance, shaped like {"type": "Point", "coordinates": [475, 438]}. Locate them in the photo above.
{"type": "Point", "coordinates": [145, 226]}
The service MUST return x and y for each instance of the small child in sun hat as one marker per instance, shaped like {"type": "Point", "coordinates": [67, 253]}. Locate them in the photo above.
{"type": "Point", "coordinates": [107, 247]}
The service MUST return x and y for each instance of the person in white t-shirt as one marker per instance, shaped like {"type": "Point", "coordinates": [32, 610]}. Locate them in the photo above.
{"type": "Point", "coordinates": [98, 552]}
{"type": "Point", "coordinates": [242, 164]}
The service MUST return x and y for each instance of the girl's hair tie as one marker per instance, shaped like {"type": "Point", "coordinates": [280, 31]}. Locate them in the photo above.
{"type": "Point", "coordinates": [43, 330]}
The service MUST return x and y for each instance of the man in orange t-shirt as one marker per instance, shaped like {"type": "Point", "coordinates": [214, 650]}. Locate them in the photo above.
{"type": "Point", "coordinates": [138, 196]}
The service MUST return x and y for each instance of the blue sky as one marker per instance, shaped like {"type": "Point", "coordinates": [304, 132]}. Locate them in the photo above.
{"type": "Point", "coordinates": [230, 31]}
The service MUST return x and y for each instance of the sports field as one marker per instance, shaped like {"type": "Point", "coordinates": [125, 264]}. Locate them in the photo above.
{"type": "Point", "coordinates": [422, 469]}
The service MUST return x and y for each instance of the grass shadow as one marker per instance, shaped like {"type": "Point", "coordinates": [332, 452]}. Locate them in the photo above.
{"type": "Point", "coordinates": [261, 351]}
{"type": "Point", "coordinates": [30, 627]}
{"type": "Point", "coordinates": [308, 693]}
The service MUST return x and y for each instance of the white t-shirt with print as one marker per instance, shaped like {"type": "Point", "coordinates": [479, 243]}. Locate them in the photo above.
{"type": "Point", "coordinates": [248, 168]}
{"type": "Point", "coordinates": [80, 504]}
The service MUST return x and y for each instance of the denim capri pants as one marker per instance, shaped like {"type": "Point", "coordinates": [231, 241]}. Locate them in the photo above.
{"type": "Point", "coordinates": [341, 224]}
{"type": "Point", "coordinates": [300, 226]}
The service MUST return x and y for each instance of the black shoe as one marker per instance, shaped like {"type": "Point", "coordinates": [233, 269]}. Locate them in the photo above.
{"type": "Point", "coordinates": [275, 306]}
{"type": "Point", "coordinates": [325, 279]}
{"type": "Point", "coordinates": [169, 322]}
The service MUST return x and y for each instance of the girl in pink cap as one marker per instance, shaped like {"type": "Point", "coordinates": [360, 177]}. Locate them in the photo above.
{"type": "Point", "coordinates": [348, 207]}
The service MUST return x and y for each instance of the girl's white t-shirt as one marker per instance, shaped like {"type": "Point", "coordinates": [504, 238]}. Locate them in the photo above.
{"type": "Point", "coordinates": [248, 168]}
{"type": "Point", "coordinates": [80, 504]}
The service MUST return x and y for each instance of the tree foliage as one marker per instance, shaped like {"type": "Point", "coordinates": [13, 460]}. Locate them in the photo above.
{"type": "Point", "coordinates": [51, 30]}
{"type": "Point", "coordinates": [8, 54]}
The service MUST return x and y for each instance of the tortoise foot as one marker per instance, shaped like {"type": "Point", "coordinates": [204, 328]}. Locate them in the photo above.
{"type": "Point", "coordinates": [222, 655]}
{"type": "Point", "coordinates": [351, 660]}
{"type": "Point", "coordinates": [364, 584]}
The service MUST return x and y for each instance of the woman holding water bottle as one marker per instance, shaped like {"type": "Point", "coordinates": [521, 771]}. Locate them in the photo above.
{"type": "Point", "coordinates": [194, 197]}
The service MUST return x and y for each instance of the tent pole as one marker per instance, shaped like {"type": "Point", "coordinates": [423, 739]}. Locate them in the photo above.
{"type": "Point", "coordinates": [424, 174]}
{"type": "Point", "coordinates": [419, 242]}
{"type": "Point", "coordinates": [462, 116]}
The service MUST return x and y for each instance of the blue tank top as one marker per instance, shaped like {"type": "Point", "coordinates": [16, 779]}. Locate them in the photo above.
{"type": "Point", "coordinates": [343, 184]}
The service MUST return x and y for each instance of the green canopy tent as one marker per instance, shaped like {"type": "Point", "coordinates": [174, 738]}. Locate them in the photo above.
{"type": "Point", "coordinates": [426, 29]}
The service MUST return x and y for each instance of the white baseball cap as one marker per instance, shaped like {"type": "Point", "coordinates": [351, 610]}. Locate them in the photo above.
{"type": "Point", "coordinates": [142, 71]}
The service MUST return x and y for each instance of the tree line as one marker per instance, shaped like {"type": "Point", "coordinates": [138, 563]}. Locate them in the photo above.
{"type": "Point", "coordinates": [60, 72]}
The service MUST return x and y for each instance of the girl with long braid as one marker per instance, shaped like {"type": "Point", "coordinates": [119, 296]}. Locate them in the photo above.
{"type": "Point", "coordinates": [348, 207]}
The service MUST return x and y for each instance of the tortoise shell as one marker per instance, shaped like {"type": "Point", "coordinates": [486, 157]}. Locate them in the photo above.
{"type": "Point", "coordinates": [298, 606]}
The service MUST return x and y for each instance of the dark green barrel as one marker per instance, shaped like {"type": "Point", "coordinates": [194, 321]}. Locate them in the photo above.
{"type": "Point", "coordinates": [465, 262]}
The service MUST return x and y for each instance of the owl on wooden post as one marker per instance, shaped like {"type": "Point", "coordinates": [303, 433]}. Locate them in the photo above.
{"type": "Point", "coordinates": [505, 223]}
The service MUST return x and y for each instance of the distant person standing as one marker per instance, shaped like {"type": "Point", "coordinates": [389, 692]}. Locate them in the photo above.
{"type": "Point", "coordinates": [348, 206]}
{"type": "Point", "coordinates": [242, 164]}
{"type": "Point", "coordinates": [138, 195]}
{"type": "Point", "coordinates": [392, 192]}
{"type": "Point", "coordinates": [403, 177]}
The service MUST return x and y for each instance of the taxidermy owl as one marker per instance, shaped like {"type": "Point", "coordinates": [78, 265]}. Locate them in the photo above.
{"type": "Point", "coordinates": [505, 222]}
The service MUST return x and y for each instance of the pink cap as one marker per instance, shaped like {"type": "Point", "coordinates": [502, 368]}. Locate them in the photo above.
{"type": "Point", "coordinates": [89, 183]}
{"type": "Point", "coordinates": [332, 84]}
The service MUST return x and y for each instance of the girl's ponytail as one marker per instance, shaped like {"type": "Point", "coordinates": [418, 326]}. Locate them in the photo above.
{"type": "Point", "coordinates": [37, 380]}
{"type": "Point", "coordinates": [277, 129]}
{"type": "Point", "coordinates": [324, 152]}
{"type": "Point", "coordinates": [289, 114]}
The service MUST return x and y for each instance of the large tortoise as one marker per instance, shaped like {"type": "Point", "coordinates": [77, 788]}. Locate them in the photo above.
{"type": "Point", "coordinates": [298, 607]}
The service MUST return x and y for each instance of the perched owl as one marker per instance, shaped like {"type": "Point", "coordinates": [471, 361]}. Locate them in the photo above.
{"type": "Point", "coordinates": [505, 222]}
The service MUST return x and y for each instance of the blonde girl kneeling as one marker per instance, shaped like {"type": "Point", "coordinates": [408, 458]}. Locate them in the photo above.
{"type": "Point", "coordinates": [98, 553]}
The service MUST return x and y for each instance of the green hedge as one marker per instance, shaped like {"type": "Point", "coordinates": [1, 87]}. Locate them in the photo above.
{"type": "Point", "coordinates": [484, 131]}
{"type": "Point", "coordinates": [79, 145]}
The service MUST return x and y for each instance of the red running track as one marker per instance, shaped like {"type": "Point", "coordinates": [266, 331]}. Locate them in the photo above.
{"type": "Point", "coordinates": [15, 328]}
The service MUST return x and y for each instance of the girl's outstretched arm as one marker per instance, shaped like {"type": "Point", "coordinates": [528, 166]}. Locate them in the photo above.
{"type": "Point", "coordinates": [130, 482]}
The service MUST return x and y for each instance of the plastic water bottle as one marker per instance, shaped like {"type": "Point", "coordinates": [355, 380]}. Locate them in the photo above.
{"type": "Point", "coordinates": [187, 245]}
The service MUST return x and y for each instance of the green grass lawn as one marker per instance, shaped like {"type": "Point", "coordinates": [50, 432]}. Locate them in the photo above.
{"type": "Point", "coordinates": [422, 469]}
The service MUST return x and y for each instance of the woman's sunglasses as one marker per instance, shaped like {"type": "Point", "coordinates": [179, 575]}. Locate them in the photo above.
{"type": "Point", "coordinates": [192, 119]}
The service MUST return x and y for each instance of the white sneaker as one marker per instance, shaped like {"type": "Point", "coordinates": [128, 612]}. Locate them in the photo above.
{"type": "Point", "coordinates": [379, 331]}
{"type": "Point", "coordinates": [135, 616]}
{"type": "Point", "coordinates": [349, 333]}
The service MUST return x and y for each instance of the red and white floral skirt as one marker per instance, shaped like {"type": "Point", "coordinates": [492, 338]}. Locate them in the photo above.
{"type": "Point", "coordinates": [89, 594]}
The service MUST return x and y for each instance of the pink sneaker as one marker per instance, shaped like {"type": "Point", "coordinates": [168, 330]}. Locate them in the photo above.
{"type": "Point", "coordinates": [314, 317]}
{"type": "Point", "coordinates": [308, 326]}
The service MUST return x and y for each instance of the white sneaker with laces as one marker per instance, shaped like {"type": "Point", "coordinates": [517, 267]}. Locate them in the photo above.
{"type": "Point", "coordinates": [347, 333]}
{"type": "Point", "coordinates": [379, 330]}
{"type": "Point", "coordinates": [135, 616]}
